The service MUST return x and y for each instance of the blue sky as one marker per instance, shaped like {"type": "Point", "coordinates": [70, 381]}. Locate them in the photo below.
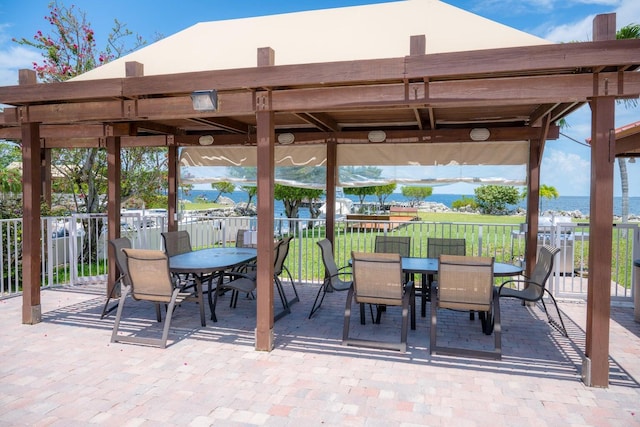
{"type": "Point", "coordinates": [565, 165]}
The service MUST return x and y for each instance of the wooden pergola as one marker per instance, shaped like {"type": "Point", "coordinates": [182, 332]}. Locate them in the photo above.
{"type": "Point", "coordinates": [518, 94]}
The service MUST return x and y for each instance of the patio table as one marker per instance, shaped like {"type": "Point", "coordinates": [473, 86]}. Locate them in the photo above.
{"type": "Point", "coordinates": [207, 263]}
{"type": "Point", "coordinates": [429, 266]}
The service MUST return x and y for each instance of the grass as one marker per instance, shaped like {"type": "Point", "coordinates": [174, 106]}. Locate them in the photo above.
{"type": "Point", "coordinates": [449, 224]}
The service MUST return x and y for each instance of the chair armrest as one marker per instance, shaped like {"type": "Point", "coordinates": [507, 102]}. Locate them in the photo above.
{"type": "Point", "coordinates": [525, 281]}
{"type": "Point", "coordinates": [233, 275]}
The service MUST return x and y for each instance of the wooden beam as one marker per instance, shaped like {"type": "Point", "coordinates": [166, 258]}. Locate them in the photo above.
{"type": "Point", "coordinates": [628, 144]}
{"type": "Point", "coordinates": [568, 56]}
{"type": "Point", "coordinates": [574, 88]}
{"type": "Point", "coordinates": [31, 195]}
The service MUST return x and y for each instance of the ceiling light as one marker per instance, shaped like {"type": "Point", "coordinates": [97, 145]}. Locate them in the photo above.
{"type": "Point", "coordinates": [205, 100]}
{"type": "Point", "coordinates": [377, 136]}
{"type": "Point", "coordinates": [205, 140]}
{"type": "Point", "coordinates": [479, 134]}
{"type": "Point", "coordinates": [632, 160]}
{"type": "Point", "coordinates": [286, 138]}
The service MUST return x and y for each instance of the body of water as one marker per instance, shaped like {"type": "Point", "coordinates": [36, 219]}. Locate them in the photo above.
{"type": "Point", "coordinates": [562, 203]}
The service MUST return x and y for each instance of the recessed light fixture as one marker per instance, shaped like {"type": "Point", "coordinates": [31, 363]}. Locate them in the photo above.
{"type": "Point", "coordinates": [479, 134]}
{"type": "Point", "coordinates": [286, 138]}
{"type": "Point", "coordinates": [205, 140]}
{"type": "Point", "coordinates": [377, 136]}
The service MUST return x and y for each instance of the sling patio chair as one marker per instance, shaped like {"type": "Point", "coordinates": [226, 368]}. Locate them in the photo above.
{"type": "Point", "coordinates": [333, 276]}
{"type": "Point", "coordinates": [535, 286]}
{"type": "Point", "coordinates": [149, 280]}
{"type": "Point", "coordinates": [393, 245]}
{"type": "Point", "coordinates": [465, 283]}
{"type": "Point", "coordinates": [121, 263]}
{"type": "Point", "coordinates": [279, 269]}
{"type": "Point", "coordinates": [237, 282]}
{"type": "Point", "coordinates": [377, 280]}
{"type": "Point", "coordinates": [437, 246]}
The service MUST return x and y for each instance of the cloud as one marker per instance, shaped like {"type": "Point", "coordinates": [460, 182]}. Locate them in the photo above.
{"type": "Point", "coordinates": [569, 173]}
{"type": "Point", "coordinates": [627, 12]}
{"type": "Point", "coordinates": [14, 57]}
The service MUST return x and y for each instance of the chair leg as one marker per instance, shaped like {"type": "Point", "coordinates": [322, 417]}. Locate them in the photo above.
{"type": "Point", "coordinates": [116, 323]}
{"type": "Point", "coordinates": [347, 316]}
{"type": "Point", "coordinates": [323, 290]}
{"type": "Point", "coordinates": [293, 285]}
{"type": "Point", "coordinates": [158, 312]}
{"type": "Point", "coordinates": [167, 320]}
{"type": "Point", "coordinates": [106, 309]}
{"type": "Point", "coordinates": [405, 324]}
{"type": "Point", "coordinates": [495, 324]}
{"type": "Point", "coordinates": [559, 326]}
{"type": "Point", "coordinates": [412, 306]}
{"type": "Point", "coordinates": [433, 333]}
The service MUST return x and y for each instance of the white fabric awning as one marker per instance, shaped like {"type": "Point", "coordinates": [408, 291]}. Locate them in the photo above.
{"type": "Point", "coordinates": [365, 164]}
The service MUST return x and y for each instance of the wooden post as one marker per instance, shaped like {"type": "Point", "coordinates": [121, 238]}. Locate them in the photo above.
{"type": "Point", "coordinates": [172, 189]}
{"type": "Point", "coordinates": [265, 178]}
{"type": "Point", "coordinates": [332, 174]}
{"type": "Point", "coordinates": [596, 364]}
{"type": "Point", "coordinates": [536, 150]}
{"type": "Point", "coordinates": [31, 195]}
{"type": "Point", "coordinates": [113, 207]}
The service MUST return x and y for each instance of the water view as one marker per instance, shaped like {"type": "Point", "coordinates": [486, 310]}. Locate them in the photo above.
{"type": "Point", "coordinates": [562, 203]}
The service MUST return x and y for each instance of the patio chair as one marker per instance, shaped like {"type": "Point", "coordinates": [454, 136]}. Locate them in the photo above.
{"type": "Point", "coordinates": [466, 284]}
{"type": "Point", "coordinates": [121, 264]}
{"type": "Point", "coordinates": [377, 280]}
{"type": "Point", "coordinates": [177, 243]}
{"type": "Point", "coordinates": [535, 286]}
{"type": "Point", "coordinates": [149, 280]}
{"type": "Point", "coordinates": [240, 238]}
{"type": "Point", "coordinates": [332, 275]}
{"type": "Point", "coordinates": [282, 251]}
{"type": "Point", "coordinates": [393, 245]}
{"type": "Point", "coordinates": [437, 246]}
{"type": "Point", "coordinates": [237, 282]}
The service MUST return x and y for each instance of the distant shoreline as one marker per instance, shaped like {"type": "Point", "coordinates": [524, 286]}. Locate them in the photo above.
{"type": "Point", "coordinates": [568, 204]}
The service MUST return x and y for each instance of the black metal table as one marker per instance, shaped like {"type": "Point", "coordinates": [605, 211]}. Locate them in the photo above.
{"type": "Point", "coordinates": [207, 263]}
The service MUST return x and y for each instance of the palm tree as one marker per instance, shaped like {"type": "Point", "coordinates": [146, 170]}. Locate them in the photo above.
{"type": "Point", "coordinates": [548, 192]}
{"type": "Point", "coordinates": [631, 31]}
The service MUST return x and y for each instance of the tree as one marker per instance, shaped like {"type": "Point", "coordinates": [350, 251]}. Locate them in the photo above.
{"type": "Point", "coordinates": [9, 153]}
{"type": "Point", "coordinates": [222, 188]}
{"type": "Point", "coordinates": [493, 199]}
{"type": "Point", "coordinates": [361, 192]}
{"type": "Point", "coordinates": [548, 192]}
{"type": "Point", "coordinates": [67, 51]}
{"type": "Point", "coordinates": [631, 31]}
{"type": "Point", "coordinates": [251, 192]}
{"type": "Point", "coordinates": [416, 194]}
{"type": "Point", "coordinates": [384, 191]}
{"type": "Point", "coordinates": [70, 50]}
{"type": "Point", "coordinates": [292, 198]}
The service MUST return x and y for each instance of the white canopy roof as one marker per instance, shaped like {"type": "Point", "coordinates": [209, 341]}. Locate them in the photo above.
{"type": "Point", "coordinates": [341, 34]}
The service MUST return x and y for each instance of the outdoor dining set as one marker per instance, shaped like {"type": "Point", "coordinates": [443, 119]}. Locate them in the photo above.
{"type": "Point", "coordinates": [375, 282]}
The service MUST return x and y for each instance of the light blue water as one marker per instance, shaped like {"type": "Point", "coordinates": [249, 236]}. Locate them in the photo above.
{"type": "Point", "coordinates": [562, 203]}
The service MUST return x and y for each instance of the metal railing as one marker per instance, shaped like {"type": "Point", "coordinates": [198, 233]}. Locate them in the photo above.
{"type": "Point", "coordinates": [74, 249]}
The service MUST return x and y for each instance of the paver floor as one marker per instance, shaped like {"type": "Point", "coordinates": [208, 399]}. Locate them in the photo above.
{"type": "Point", "coordinates": [65, 372]}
